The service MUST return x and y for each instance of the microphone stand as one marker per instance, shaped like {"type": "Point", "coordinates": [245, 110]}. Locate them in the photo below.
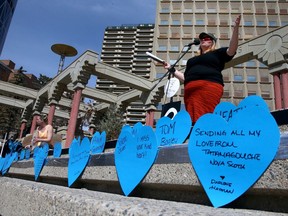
{"type": "Point", "coordinates": [173, 66]}
{"type": "Point", "coordinates": [169, 72]}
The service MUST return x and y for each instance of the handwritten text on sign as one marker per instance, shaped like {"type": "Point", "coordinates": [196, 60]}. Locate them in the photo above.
{"type": "Point", "coordinates": [143, 146]}
{"type": "Point", "coordinates": [227, 110]}
{"type": "Point", "coordinates": [231, 155]}
{"type": "Point", "coordinates": [223, 151]}
{"type": "Point", "coordinates": [98, 142]}
{"type": "Point", "coordinates": [173, 131]}
{"type": "Point", "coordinates": [224, 154]}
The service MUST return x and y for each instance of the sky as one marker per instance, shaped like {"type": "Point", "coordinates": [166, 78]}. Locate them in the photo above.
{"type": "Point", "coordinates": [37, 25]}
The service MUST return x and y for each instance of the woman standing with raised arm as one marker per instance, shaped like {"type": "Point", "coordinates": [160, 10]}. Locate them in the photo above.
{"type": "Point", "coordinates": [203, 80]}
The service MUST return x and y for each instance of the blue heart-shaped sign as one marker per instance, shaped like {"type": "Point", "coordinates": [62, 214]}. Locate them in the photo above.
{"type": "Point", "coordinates": [229, 157]}
{"type": "Point", "coordinates": [22, 154]}
{"type": "Point", "coordinates": [227, 110]}
{"type": "Point", "coordinates": [79, 154]}
{"type": "Point", "coordinates": [133, 130]}
{"type": "Point", "coordinates": [27, 154]}
{"type": "Point", "coordinates": [71, 146]}
{"type": "Point", "coordinates": [98, 142]}
{"type": "Point", "coordinates": [253, 100]}
{"type": "Point", "coordinates": [126, 128]}
{"type": "Point", "coordinates": [173, 131]}
{"type": "Point", "coordinates": [138, 126]}
{"type": "Point", "coordinates": [8, 160]}
{"type": "Point", "coordinates": [2, 161]}
{"type": "Point", "coordinates": [40, 155]}
{"type": "Point", "coordinates": [134, 156]}
{"type": "Point", "coordinates": [57, 150]}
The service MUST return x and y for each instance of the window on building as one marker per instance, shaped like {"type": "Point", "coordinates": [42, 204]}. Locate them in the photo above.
{"type": "Point", "coordinates": [283, 11]}
{"type": "Point", "coordinates": [250, 92]}
{"type": "Point", "coordinates": [159, 75]}
{"type": "Point", "coordinates": [259, 10]}
{"type": "Point", "coordinates": [172, 61]}
{"type": "Point", "coordinates": [251, 78]}
{"type": "Point", "coordinates": [200, 10]}
{"type": "Point", "coordinates": [238, 78]}
{"type": "Point", "coordinates": [272, 23]}
{"type": "Point", "coordinates": [265, 94]}
{"type": "Point", "coordinates": [223, 22]}
{"type": "Point", "coordinates": [238, 93]}
{"type": "Point", "coordinates": [174, 48]}
{"type": "Point", "coordinates": [175, 22]}
{"type": "Point", "coordinates": [200, 22]}
{"type": "Point", "coordinates": [283, 23]}
{"type": "Point", "coordinates": [239, 65]}
{"type": "Point", "coordinates": [211, 10]}
{"type": "Point", "coordinates": [260, 23]}
{"type": "Point", "coordinates": [175, 35]}
{"type": "Point", "coordinates": [234, 10]}
{"type": "Point", "coordinates": [261, 65]}
{"type": "Point", "coordinates": [271, 11]}
{"type": "Point", "coordinates": [248, 23]}
{"type": "Point", "coordinates": [187, 22]}
{"type": "Point", "coordinates": [224, 35]}
{"type": "Point", "coordinates": [162, 48]}
{"type": "Point", "coordinates": [264, 78]}
{"type": "Point", "coordinates": [184, 62]}
{"type": "Point", "coordinates": [165, 10]}
{"type": "Point", "coordinates": [188, 10]}
{"type": "Point", "coordinates": [251, 64]}
{"type": "Point", "coordinates": [164, 22]}
{"type": "Point", "coordinates": [211, 22]}
{"type": "Point", "coordinates": [226, 93]}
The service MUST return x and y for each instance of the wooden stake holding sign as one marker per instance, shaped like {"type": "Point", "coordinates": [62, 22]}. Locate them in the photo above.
{"type": "Point", "coordinates": [4, 141]}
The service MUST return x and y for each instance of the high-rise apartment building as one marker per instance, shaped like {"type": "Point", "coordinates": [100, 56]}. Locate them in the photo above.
{"type": "Point", "coordinates": [125, 47]}
{"type": "Point", "coordinates": [7, 8]}
{"type": "Point", "coordinates": [179, 21]}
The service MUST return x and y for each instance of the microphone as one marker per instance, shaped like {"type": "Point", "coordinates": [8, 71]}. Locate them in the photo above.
{"type": "Point", "coordinates": [196, 41]}
{"type": "Point", "coordinates": [155, 58]}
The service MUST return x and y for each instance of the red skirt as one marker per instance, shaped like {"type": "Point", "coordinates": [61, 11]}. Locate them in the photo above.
{"type": "Point", "coordinates": [201, 97]}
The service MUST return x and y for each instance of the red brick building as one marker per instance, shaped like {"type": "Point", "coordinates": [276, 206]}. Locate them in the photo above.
{"type": "Point", "coordinates": [8, 73]}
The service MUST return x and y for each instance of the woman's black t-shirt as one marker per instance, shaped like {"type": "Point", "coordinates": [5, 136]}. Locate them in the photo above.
{"type": "Point", "coordinates": [207, 66]}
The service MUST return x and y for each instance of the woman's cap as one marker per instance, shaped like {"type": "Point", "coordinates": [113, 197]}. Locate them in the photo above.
{"type": "Point", "coordinates": [210, 35]}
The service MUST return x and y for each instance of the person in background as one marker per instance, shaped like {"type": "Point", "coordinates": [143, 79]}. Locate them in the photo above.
{"type": "Point", "coordinates": [91, 130]}
{"type": "Point", "coordinates": [203, 80]}
{"type": "Point", "coordinates": [44, 132]}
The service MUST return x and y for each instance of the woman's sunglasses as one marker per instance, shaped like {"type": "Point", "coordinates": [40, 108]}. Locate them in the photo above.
{"type": "Point", "coordinates": [205, 39]}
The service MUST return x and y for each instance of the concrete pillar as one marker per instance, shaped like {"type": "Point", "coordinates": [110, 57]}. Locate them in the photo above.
{"type": "Point", "coordinates": [22, 128]}
{"type": "Point", "coordinates": [277, 91]}
{"type": "Point", "coordinates": [280, 77]}
{"type": "Point", "coordinates": [150, 111]}
{"type": "Point", "coordinates": [284, 80]}
{"type": "Point", "coordinates": [73, 116]}
{"type": "Point", "coordinates": [33, 125]}
{"type": "Point", "coordinates": [51, 113]}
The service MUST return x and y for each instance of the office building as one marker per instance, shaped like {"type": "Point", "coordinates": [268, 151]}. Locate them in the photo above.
{"type": "Point", "coordinates": [125, 47]}
{"type": "Point", "coordinates": [7, 8]}
{"type": "Point", "coordinates": [179, 21]}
